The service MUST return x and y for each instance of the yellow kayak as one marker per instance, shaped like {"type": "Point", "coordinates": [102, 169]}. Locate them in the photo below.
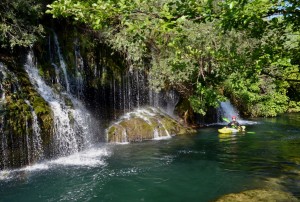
{"type": "Point", "coordinates": [226, 130]}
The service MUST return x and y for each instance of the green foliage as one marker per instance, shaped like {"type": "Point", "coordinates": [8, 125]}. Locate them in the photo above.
{"type": "Point", "coordinates": [247, 49]}
{"type": "Point", "coordinates": [258, 16]}
{"type": "Point", "coordinates": [203, 98]}
{"type": "Point", "coordinates": [19, 23]}
{"type": "Point", "coordinates": [261, 97]}
{"type": "Point", "coordinates": [294, 106]}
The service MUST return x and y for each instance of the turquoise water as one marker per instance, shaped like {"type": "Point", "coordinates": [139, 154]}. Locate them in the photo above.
{"type": "Point", "coordinates": [200, 167]}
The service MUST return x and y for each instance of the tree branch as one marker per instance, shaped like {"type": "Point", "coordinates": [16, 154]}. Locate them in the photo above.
{"type": "Point", "coordinates": [280, 77]}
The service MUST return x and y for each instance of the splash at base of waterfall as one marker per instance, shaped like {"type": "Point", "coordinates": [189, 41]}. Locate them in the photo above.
{"type": "Point", "coordinates": [227, 110]}
{"type": "Point", "coordinates": [93, 157]}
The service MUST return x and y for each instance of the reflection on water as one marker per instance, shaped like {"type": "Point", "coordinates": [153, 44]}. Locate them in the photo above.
{"type": "Point", "coordinates": [200, 167]}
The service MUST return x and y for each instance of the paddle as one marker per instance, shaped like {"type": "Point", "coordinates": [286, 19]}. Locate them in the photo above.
{"type": "Point", "coordinates": [226, 119]}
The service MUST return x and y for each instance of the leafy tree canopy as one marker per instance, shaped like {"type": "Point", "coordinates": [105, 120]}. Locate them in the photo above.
{"type": "Point", "coordinates": [205, 49]}
{"type": "Point", "coordinates": [18, 22]}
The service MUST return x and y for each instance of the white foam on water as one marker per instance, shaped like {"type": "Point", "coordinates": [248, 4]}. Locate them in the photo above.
{"type": "Point", "coordinates": [35, 167]}
{"type": "Point", "coordinates": [162, 138]}
{"type": "Point", "coordinates": [246, 122]}
{"type": "Point", "coordinates": [89, 158]}
{"type": "Point", "coordinates": [119, 143]}
{"type": "Point", "coordinates": [5, 175]}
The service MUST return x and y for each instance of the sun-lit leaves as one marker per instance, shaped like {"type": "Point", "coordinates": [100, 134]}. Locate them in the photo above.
{"type": "Point", "coordinates": [203, 48]}
{"type": "Point", "coordinates": [19, 25]}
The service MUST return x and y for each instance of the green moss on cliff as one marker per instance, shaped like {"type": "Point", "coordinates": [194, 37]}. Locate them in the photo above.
{"type": "Point", "coordinates": [17, 111]}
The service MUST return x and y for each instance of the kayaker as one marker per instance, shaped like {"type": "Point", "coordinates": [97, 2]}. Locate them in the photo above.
{"type": "Point", "coordinates": [233, 123]}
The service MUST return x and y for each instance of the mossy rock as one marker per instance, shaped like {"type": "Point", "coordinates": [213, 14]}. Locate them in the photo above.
{"type": "Point", "coordinates": [259, 195]}
{"type": "Point", "coordinates": [145, 125]}
{"type": "Point", "coordinates": [136, 129]}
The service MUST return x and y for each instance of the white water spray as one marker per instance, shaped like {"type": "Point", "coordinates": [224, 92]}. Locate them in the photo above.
{"type": "Point", "coordinates": [68, 121]}
{"type": "Point", "coordinates": [227, 110]}
{"type": "Point", "coordinates": [36, 139]}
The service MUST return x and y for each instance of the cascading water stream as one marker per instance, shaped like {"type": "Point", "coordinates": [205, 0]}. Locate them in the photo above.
{"type": "Point", "coordinates": [36, 139]}
{"type": "Point", "coordinates": [28, 144]}
{"type": "Point", "coordinates": [78, 69]}
{"type": "Point", "coordinates": [227, 110]}
{"type": "Point", "coordinates": [68, 121]}
{"type": "Point", "coordinates": [62, 63]}
{"type": "Point", "coordinates": [2, 99]}
{"type": "Point", "coordinates": [3, 145]}
{"type": "Point", "coordinates": [2, 91]}
{"type": "Point", "coordinates": [3, 140]}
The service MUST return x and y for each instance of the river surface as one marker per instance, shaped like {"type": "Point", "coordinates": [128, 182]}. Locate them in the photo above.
{"type": "Point", "coordinates": [200, 167]}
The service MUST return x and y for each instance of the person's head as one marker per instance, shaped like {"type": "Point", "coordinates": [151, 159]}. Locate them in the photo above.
{"type": "Point", "coordinates": [233, 118]}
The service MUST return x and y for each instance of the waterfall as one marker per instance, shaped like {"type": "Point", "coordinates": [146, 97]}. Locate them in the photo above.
{"type": "Point", "coordinates": [71, 123]}
{"type": "Point", "coordinates": [227, 110]}
{"type": "Point", "coordinates": [3, 145]}
{"type": "Point", "coordinates": [28, 144]}
{"type": "Point", "coordinates": [4, 150]}
{"type": "Point", "coordinates": [165, 101]}
{"type": "Point", "coordinates": [62, 63]}
{"type": "Point", "coordinates": [36, 139]}
{"type": "Point", "coordinates": [78, 69]}
{"type": "Point", "coordinates": [2, 94]}
{"type": "Point", "coordinates": [124, 136]}
{"type": "Point", "coordinates": [2, 90]}
{"type": "Point", "coordinates": [132, 92]}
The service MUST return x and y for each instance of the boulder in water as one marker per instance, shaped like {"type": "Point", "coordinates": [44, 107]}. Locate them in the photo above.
{"type": "Point", "coordinates": [258, 195]}
{"type": "Point", "coordinates": [145, 124]}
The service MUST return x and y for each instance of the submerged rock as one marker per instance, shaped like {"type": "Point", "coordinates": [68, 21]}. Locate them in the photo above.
{"type": "Point", "coordinates": [145, 124]}
{"type": "Point", "coordinates": [258, 195]}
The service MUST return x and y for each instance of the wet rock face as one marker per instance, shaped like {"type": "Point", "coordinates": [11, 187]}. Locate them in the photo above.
{"type": "Point", "coordinates": [258, 195]}
{"type": "Point", "coordinates": [145, 124]}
